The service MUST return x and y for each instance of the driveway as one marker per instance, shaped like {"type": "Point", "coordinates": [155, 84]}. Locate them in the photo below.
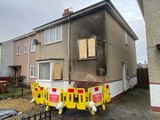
{"type": "Point", "coordinates": [134, 105]}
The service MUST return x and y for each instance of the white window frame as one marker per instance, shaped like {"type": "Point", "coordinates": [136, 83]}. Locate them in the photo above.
{"type": "Point", "coordinates": [51, 70]}
{"type": "Point", "coordinates": [55, 40]}
{"type": "Point", "coordinates": [126, 37]}
{"type": "Point", "coordinates": [33, 47]}
{"type": "Point", "coordinates": [18, 49]}
{"type": "Point", "coordinates": [25, 46]}
{"type": "Point", "coordinates": [32, 76]}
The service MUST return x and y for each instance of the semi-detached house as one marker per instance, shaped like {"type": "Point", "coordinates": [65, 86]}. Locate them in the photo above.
{"type": "Point", "coordinates": [93, 44]}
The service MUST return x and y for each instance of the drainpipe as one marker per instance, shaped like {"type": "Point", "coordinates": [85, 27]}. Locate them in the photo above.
{"type": "Point", "coordinates": [28, 61]}
{"type": "Point", "coordinates": [69, 57]}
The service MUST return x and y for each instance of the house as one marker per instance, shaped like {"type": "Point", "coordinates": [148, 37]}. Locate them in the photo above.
{"type": "Point", "coordinates": [25, 57]}
{"type": "Point", "coordinates": [93, 44]}
{"type": "Point", "coordinates": [150, 11]}
{"type": "Point", "coordinates": [6, 59]}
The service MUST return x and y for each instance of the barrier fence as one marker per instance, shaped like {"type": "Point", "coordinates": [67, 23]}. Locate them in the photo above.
{"type": "Point", "coordinates": [72, 98]}
{"type": "Point", "coordinates": [45, 115]}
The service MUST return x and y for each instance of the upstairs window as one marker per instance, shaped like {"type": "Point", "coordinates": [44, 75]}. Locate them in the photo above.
{"type": "Point", "coordinates": [18, 50]}
{"type": "Point", "coordinates": [33, 47]}
{"type": "Point", "coordinates": [25, 47]}
{"type": "Point", "coordinates": [126, 37]}
{"type": "Point", "coordinates": [87, 48]}
{"type": "Point", "coordinates": [53, 35]}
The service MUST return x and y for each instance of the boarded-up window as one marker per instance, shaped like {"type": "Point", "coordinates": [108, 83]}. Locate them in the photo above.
{"type": "Point", "coordinates": [57, 71]}
{"type": "Point", "coordinates": [82, 44]}
{"type": "Point", "coordinates": [91, 47]}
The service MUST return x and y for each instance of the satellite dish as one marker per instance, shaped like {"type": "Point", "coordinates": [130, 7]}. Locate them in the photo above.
{"type": "Point", "coordinates": [35, 41]}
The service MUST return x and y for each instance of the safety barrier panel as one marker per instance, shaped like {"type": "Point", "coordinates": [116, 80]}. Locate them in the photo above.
{"type": "Point", "coordinates": [72, 98]}
{"type": "Point", "coordinates": [95, 95]}
{"type": "Point", "coordinates": [81, 99]}
{"type": "Point", "coordinates": [55, 98]}
{"type": "Point", "coordinates": [106, 93]}
{"type": "Point", "coordinates": [40, 95]}
{"type": "Point", "coordinates": [33, 86]}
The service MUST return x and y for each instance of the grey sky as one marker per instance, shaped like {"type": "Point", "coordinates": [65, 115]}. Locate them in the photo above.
{"type": "Point", "coordinates": [21, 16]}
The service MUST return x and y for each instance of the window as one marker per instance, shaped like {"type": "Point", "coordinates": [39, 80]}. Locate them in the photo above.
{"type": "Point", "coordinates": [87, 48]}
{"type": "Point", "coordinates": [25, 47]}
{"type": "Point", "coordinates": [57, 71]}
{"type": "Point", "coordinates": [127, 70]}
{"type": "Point", "coordinates": [32, 72]}
{"type": "Point", "coordinates": [18, 50]}
{"type": "Point", "coordinates": [126, 37]}
{"type": "Point", "coordinates": [53, 35]}
{"type": "Point", "coordinates": [44, 71]}
{"type": "Point", "coordinates": [50, 70]}
{"type": "Point", "coordinates": [33, 47]}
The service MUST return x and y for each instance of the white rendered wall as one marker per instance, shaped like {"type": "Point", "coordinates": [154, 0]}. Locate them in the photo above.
{"type": "Point", "coordinates": [155, 95]}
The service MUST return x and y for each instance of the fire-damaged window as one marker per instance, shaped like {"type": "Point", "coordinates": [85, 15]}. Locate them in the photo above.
{"type": "Point", "coordinates": [50, 70]}
{"type": "Point", "coordinates": [57, 71]}
{"type": "Point", "coordinates": [87, 48]}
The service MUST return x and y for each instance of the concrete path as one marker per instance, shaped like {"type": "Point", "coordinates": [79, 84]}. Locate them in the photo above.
{"type": "Point", "coordinates": [134, 105]}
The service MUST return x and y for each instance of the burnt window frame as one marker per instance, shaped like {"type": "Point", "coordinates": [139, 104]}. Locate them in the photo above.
{"type": "Point", "coordinates": [88, 57]}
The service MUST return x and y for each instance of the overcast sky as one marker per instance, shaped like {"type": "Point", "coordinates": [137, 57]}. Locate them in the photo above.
{"type": "Point", "coordinates": [18, 17]}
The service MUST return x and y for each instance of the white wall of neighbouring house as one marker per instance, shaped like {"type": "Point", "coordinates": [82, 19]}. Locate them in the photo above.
{"type": "Point", "coordinates": [6, 59]}
{"type": "Point", "coordinates": [0, 56]}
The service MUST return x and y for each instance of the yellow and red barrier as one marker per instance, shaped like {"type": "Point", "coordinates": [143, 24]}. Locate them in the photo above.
{"type": "Point", "coordinates": [81, 99]}
{"type": "Point", "coordinates": [55, 98]}
{"type": "Point", "coordinates": [72, 98]}
{"type": "Point", "coordinates": [106, 93]}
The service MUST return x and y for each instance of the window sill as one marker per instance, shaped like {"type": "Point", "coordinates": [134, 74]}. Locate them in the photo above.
{"type": "Point", "coordinates": [18, 54]}
{"type": "Point", "coordinates": [86, 59]}
{"type": "Point", "coordinates": [33, 51]}
{"type": "Point", "coordinates": [43, 80]}
{"type": "Point", "coordinates": [25, 52]}
{"type": "Point", "coordinates": [32, 77]}
{"type": "Point", "coordinates": [52, 42]}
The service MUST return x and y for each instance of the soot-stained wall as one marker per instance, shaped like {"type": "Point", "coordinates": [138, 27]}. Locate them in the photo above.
{"type": "Point", "coordinates": [89, 25]}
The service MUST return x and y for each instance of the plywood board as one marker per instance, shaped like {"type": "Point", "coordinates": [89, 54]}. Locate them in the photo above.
{"type": "Point", "coordinates": [82, 44]}
{"type": "Point", "coordinates": [57, 71]}
{"type": "Point", "coordinates": [91, 47]}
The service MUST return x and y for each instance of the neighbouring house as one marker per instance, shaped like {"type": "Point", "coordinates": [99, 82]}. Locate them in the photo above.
{"type": "Point", "coordinates": [25, 57]}
{"type": "Point", "coordinates": [93, 44]}
{"type": "Point", "coordinates": [150, 10]}
{"type": "Point", "coordinates": [6, 59]}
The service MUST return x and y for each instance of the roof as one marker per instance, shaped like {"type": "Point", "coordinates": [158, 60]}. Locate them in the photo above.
{"type": "Point", "coordinates": [104, 4]}
{"type": "Point", "coordinates": [140, 3]}
{"type": "Point", "coordinates": [107, 4]}
{"type": "Point", "coordinates": [24, 36]}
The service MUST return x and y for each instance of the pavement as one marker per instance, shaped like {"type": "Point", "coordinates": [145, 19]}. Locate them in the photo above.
{"type": "Point", "coordinates": [134, 105]}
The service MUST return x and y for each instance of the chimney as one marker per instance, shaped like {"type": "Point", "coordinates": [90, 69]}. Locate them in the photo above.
{"type": "Point", "coordinates": [67, 12]}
